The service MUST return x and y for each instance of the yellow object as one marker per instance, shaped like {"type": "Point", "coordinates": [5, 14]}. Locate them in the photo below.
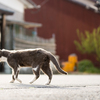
{"type": "Point", "coordinates": [72, 58]}
{"type": "Point", "coordinates": [68, 66]}
{"type": "Point", "coordinates": [71, 64]}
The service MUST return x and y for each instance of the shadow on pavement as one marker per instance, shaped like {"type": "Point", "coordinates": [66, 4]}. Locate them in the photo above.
{"type": "Point", "coordinates": [28, 86]}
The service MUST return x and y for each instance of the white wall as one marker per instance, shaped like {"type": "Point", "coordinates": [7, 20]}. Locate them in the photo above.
{"type": "Point", "coordinates": [15, 4]}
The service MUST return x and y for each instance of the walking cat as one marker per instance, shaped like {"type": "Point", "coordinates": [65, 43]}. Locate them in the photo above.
{"type": "Point", "coordinates": [36, 58]}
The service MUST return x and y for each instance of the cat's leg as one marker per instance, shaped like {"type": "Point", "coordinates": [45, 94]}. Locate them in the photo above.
{"type": "Point", "coordinates": [36, 71]}
{"type": "Point", "coordinates": [46, 69]}
{"type": "Point", "coordinates": [13, 78]}
{"type": "Point", "coordinates": [16, 77]}
{"type": "Point", "coordinates": [15, 71]}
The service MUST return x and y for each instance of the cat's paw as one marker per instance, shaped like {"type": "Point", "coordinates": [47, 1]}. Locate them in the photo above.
{"type": "Point", "coordinates": [31, 82]}
{"type": "Point", "coordinates": [18, 80]}
{"type": "Point", "coordinates": [12, 81]}
{"type": "Point", "coordinates": [48, 82]}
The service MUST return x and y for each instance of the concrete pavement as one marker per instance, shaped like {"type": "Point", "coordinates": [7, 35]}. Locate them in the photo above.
{"type": "Point", "coordinates": [62, 87]}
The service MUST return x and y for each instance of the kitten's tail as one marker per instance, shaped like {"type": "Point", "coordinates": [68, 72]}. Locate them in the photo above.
{"type": "Point", "coordinates": [55, 62]}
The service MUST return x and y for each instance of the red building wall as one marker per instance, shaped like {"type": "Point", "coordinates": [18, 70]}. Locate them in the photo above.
{"type": "Point", "coordinates": [63, 18]}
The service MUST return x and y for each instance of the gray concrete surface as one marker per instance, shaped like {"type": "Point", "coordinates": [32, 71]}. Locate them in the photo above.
{"type": "Point", "coordinates": [62, 87]}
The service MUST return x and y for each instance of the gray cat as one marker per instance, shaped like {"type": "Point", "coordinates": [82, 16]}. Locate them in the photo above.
{"type": "Point", "coordinates": [36, 58]}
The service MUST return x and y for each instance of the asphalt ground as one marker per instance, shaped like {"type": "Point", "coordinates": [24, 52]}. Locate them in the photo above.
{"type": "Point", "coordinates": [62, 87]}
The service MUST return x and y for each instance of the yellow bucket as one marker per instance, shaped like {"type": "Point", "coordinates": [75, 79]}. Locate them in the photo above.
{"type": "Point", "coordinates": [68, 66]}
{"type": "Point", "coordinates": [71, 64]}
{"type": "Point", "coordinates": [72, 58]}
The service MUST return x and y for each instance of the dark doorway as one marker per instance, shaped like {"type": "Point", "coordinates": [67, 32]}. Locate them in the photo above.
{"type": "Point", "coordinates": [3, 12]}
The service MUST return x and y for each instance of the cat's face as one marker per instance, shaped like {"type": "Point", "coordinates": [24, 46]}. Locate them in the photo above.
{"type": "Point", "coordinates": [2, 58]}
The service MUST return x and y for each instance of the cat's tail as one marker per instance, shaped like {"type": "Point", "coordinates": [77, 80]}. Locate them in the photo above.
{"type": "Point", "coordinates": [56, 63]}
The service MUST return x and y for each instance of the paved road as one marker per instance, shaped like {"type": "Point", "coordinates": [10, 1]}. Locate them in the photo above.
{"type": "Point", "coordinates": [71, 87]}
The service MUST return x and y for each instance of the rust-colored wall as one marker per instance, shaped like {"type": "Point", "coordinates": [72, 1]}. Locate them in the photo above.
{"type": "Point", "coordinates": [63, 18]}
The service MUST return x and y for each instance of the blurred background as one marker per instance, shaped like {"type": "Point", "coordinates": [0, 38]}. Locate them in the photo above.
{"type": "Point", "coordinates": [70, 29]}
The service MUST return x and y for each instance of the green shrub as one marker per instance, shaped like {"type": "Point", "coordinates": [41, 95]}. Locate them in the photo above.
{"type": "Point", "coordinates": [89, 42]}
{"type": "Point", "coordinates": [87, 66]}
